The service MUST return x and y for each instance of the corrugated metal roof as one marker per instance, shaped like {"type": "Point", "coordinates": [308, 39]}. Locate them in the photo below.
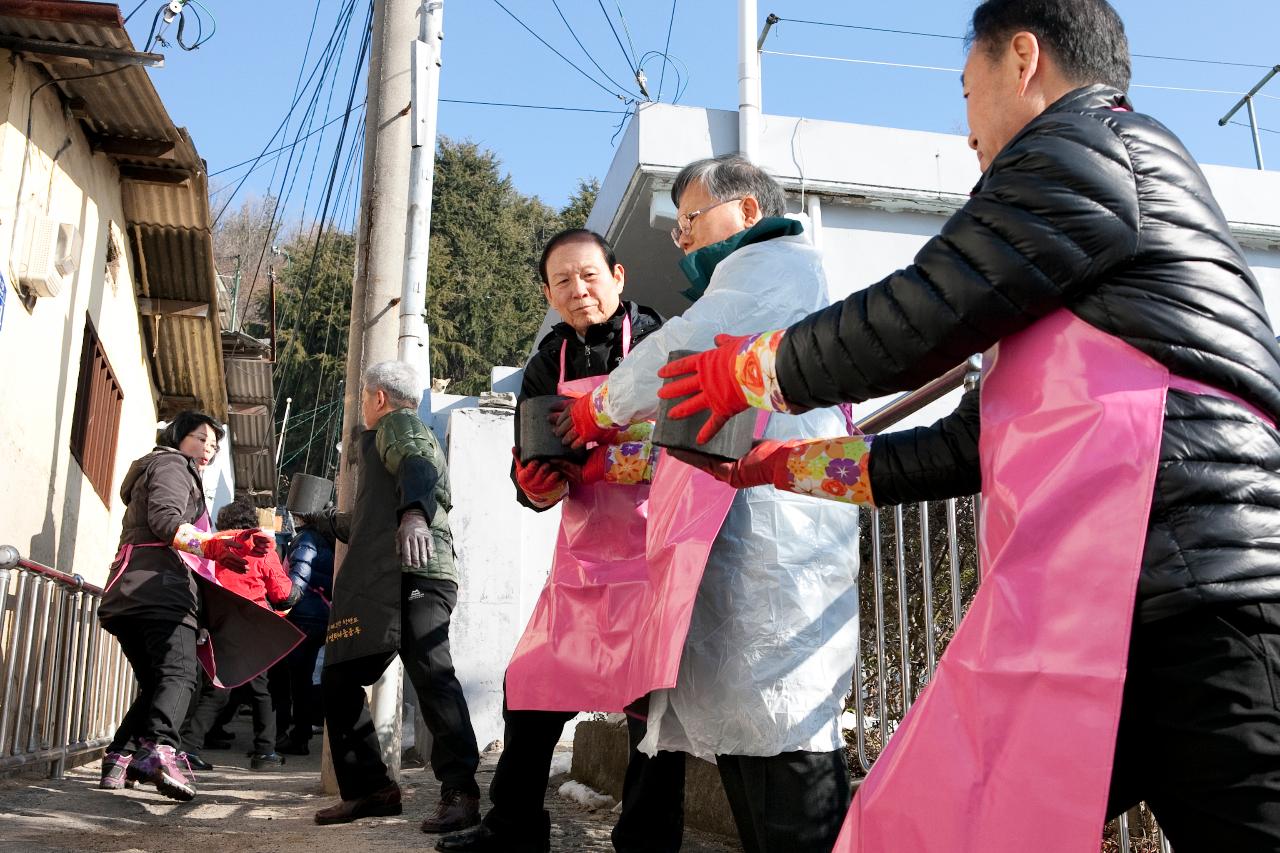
{"type": "Point", "coordinates": [249, 382]}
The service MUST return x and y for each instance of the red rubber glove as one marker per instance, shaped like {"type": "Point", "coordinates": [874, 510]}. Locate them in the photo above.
{"type": "Point", "coordinates": [577, 425]}
{"type": "Point", "coordinates": [590, 471]}
{"type": "Point", "coordinates": [712, 379]}
{"type": "Point", "coordinates": [765, 464]}
{"type": "Point", "coordinates": [538, 480]}
{"type": "Point", "coordinates": [228, 549]}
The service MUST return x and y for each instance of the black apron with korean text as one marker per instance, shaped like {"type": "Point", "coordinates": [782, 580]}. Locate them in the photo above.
{"type": "Point", "coordinates": [365, 618]}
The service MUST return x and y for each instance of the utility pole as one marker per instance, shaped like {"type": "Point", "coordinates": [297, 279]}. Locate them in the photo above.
{"type": "Point", "coordinates": [380, 251]}
{"type": "Point", "coordinates": [414, 341]}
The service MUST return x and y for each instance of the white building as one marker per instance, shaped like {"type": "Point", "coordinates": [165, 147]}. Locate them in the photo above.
{"type": "Point", "coordinates": [92, 358]}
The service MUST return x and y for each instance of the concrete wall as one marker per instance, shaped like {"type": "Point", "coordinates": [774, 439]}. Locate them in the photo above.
{"type": "Point", "coordinates": [504, 555]}
{"type": "Point", "coordinates": [48, 509]}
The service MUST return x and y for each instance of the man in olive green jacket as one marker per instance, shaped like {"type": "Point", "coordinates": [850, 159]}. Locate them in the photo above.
{"type": "Point", "coordinates": [394, 594]}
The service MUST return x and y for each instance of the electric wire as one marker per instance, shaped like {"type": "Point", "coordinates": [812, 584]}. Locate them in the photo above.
{"type": "Point", "coordinates": [666, 50]}
{"type": "Point", "coordinates": [571, 63]}
{"type": "Point", "coordinates": [282, 148]}
{"type": "Point", "coordinates": [1263, 129]}
{"type": "Point", "coordinates": [958, 70]}
{"type": "Point", "coordinates": [623, 20]}
{"type": "Point", "coordinates": [584, 47]}
{"type": "Point", "coordinates": [962, 38]}
{"type": "Point", "coordinates": [532, 106]}
{"type": "Point", "coordinates": [616, 37]}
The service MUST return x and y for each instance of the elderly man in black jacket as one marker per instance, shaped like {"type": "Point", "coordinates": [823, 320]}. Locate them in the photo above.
{"type": "Point", "coordinates": [1088, 206]}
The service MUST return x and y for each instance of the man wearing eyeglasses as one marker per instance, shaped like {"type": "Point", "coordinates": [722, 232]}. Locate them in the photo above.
{"type": "Point", "coordinates": [767, 660]}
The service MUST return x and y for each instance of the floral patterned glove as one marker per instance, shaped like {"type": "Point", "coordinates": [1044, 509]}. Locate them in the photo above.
{"type": "Point", "coordinates": [836, 469]}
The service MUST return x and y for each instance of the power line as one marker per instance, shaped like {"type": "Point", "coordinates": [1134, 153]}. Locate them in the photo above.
{"type": "Point", "coordinates": [962, 38]}
{"type": "Point", "coordinates": [663, 76]}
{"type": "Point", "coordinates": [556, 52]}
{"type": "Point", "coordinates": [623, 20]}
{"type": "Point", "coordinates": [1263, 129]}
{"type": "Point", "coordinates": [617, 38]}
{"type": "Point", "coordinates": [958, 70]}
{"type": "Point", "coordinates": [329, 123]}
{"type": "Point", "coordinates": [584, 49]}
{"type": "Point", "coordinates": [530, 106]}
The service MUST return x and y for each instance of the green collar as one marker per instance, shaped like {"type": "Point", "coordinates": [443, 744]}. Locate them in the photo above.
{"type": "Point", "coordinates": [698, 266]}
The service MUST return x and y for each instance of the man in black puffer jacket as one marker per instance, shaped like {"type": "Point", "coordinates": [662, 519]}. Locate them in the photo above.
{"type": "Point", "coordinates": [1089, 206]}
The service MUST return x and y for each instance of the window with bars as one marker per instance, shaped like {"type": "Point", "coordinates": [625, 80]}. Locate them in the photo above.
{"type": "Point", "coordinates": [95, 428]}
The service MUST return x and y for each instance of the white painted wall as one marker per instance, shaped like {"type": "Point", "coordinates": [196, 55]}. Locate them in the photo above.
{"type": "Point", "coordinates": [504, 556]}
{"type": "Point", "coordinates": [48, 510]}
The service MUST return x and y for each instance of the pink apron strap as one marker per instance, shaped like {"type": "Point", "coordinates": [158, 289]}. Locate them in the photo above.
{"type": "Point", "coordinates": [1193, 386]}
{"type": "Point", "coordinates": [626, 344]}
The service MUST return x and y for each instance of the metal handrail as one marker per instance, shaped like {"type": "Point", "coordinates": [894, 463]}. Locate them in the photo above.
{"type": "Point", "coordinates": [913, 401]}
{"type": "Point", "coordinates": [64, 686]}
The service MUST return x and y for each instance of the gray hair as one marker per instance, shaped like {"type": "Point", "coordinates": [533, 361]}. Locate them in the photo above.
{"type": "Point", "coordinates": [399, 380]}
{"type": "Point", "coordinates": [732, 176]}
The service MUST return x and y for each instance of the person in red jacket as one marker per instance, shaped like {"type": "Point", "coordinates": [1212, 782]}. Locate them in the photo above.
{"type": "Point", "coordinates": [265, 583]}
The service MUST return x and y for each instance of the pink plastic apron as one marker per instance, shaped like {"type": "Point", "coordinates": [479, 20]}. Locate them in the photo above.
{"type": "Point", "coordinates": [252, 638]}
{"type": "Point", "coordinates": [1012, 741]}
{"type": "Point", "coordinates": [610, 624]}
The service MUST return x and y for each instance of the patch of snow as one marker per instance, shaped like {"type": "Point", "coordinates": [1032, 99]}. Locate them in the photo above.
{"type": "Point", "coordinates": [580, 793]}
{"type": "Point", "coordinates": [561, 763]}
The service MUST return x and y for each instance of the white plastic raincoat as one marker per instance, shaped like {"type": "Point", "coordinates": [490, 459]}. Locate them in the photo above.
{"type": "Point", "coordinates": [769, 656]}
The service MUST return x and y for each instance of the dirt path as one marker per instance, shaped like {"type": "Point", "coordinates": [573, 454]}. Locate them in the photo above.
{"type": "Point", "coordinates": [247, 811]}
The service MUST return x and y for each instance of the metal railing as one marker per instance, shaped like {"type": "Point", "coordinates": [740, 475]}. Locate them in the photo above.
{"type": "Point", "coordinates": [919, 572]}
{"type": "Point", "coordinates": [64, 683]}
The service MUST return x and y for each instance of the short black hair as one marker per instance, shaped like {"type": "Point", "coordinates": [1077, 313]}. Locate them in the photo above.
{"type": "Point", "coordinates": [570, 235]}
{"type": "Point", "coordinates": [185, 423]}
{"type": "Point", "coordinates": [238, 515]}
{"type": "Point", "coordinates": [1085, 37]}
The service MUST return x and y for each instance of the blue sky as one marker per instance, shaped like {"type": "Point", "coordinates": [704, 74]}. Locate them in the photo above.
{"type": "Point", "coordinates": [233, 91]}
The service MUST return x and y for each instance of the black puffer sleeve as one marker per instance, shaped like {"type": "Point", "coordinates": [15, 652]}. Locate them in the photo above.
{"type": "Point", "coordinates": [1056, 211]}
{"type": "Point", "coordinates": [929, 463]}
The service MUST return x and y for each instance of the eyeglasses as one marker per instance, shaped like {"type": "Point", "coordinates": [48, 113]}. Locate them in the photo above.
{"type": "Point", "coordinates": [684, 222]}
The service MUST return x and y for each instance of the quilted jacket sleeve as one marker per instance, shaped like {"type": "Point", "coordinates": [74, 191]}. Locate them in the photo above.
{"type": "Point", "coordinates": [929, 463]}
{"type": "Point", "coordinates": [1056, 211]}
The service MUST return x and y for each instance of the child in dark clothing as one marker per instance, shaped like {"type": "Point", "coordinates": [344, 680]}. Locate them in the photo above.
{"type": "Point", "coordinates": [265, 583]}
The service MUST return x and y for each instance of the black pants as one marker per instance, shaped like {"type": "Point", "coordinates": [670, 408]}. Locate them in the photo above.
{"type": "Point", "coordinates": [296, 700]}
{"type": "Point", "coordinates": [210, 705]}
{"type": "Point", "coordinates": [1199, 736]}
{"type": "Point", "coordinates": [163, 658]}
{"type": "Point", "coordinates": [424, 648]}
{"type": "Point", "coordinates": [652, 819]}
{"type": "Point", "coordinates": [794, 802]}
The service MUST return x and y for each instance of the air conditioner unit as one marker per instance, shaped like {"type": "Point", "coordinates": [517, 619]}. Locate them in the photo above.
{"type": "Point", "coordinates": [53, 253]}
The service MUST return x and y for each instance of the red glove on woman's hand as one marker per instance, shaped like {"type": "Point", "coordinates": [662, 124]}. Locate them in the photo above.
{"type": "Point", "coordinates": [711, 377]}
{"type": "Point", "coordinates": [590, 471]}
{"type": "Point", "coordinates": [229, 549]}
{"type": "Point", "coordinates": [765, 464]}
{"type": "Point", "coordinates": [542, 484]}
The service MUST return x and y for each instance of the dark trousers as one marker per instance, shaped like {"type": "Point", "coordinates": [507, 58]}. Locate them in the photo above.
{"type": "Point", "coordinates": [794, 802]}
{"type": "Point", "coordinates": [163, 658]}
{"type": "Point", "coordinates": [1199, 735]}
{"type": "Point", "coordinates": [214, 700]}
{"type": "Point", "coordinates": [652, 819]}
{"type": "Point", "coordinates": [424, 648]}
{"type": "Point", "coordinates": [296, 700]}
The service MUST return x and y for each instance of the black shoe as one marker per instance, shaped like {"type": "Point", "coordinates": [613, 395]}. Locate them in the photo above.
{"type": "Point", "coordinates": [292, 747]}
{"type": "Point", "coordinates": [266, 761]}
{"type": "Point", "coordinates": [196, 762]}
{"type": "Point", "coordinates": [383, 803]}
{"type": "Point", "coordinates": [482, 839]}
{"type": "Point", "coordinates": [454, 812]}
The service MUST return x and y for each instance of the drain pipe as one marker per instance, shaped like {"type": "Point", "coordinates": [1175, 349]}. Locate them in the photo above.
{"type": "Point", "coordinates": [748, 82]}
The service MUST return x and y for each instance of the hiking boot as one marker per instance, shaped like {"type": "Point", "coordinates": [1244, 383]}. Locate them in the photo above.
{"type": "Point", "coordinates": [159, 765]}
{"type": "Point", "coordinates": [114, 771]}
{"type": "Point", "coordinates": [266, 760]}
{"type": "Point", "coordinates": [455, 811]}
{"type": "Point", "coordinates": [482, 839]}
{"type": "Point", "coordinates": [195, 762]}
{"type": "Point", "coordinates": [383, 803]}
